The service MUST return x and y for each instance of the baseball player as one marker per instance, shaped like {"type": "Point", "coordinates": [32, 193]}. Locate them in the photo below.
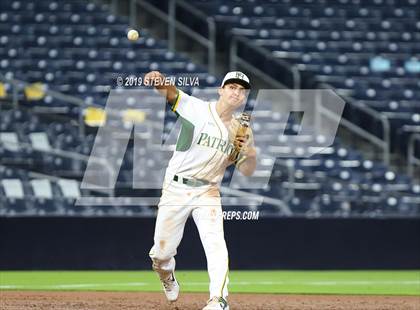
{"type": "Point", "coordinates": [192, 178]}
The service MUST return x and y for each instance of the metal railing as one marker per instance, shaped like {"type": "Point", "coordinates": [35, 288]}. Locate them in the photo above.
{"type": "Point", "coordinates": [235, 59]}
{"type": "Point", "coordinates": [412, 159]}
{"type": "Point", "coordinates": [19, 85]}
{"type": "Point", "coordinates": [69, 155]}
{"type": "Point", "coordinates": [209, 43]}
{"type": "Point", "coordinates": [385, 143]}
{"type": "Point", "coordinates": [174, 24]}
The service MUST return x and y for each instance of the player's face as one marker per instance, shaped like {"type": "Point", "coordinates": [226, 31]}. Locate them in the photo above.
{"type": "Point", "coordinates": [233, 94]}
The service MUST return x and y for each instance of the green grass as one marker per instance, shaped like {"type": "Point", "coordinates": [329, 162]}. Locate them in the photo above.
{"type": "Point", "coordinates": [285, 282]}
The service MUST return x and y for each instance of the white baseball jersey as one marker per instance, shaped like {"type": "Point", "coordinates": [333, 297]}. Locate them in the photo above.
{"type": "Point", "coordinates": [203, 143]}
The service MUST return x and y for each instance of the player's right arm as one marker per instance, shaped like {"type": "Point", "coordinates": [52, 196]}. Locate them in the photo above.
{"type": "Point", "coordinates": [184, 105]}
{"type": "Point", "coordinates": [157, 79]}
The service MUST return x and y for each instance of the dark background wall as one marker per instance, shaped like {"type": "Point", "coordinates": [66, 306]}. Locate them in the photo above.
{"type": "Point", "coordinates": [124, 243]}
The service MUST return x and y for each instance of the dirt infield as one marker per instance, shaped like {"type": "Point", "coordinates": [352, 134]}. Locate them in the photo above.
{"type": "Point", "coordinates": [23, 300]}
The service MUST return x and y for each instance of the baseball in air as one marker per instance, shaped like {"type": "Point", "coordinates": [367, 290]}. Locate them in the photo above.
{"type": "Point", "coordinates": [133, 35]}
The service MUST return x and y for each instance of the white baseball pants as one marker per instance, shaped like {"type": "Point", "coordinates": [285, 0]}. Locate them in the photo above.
{"type": "Point", "coordinates": [178, 201]}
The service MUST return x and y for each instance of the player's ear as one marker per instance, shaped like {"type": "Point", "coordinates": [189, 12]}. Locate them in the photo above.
{"type": "Point", "coordinates": [220, 91]}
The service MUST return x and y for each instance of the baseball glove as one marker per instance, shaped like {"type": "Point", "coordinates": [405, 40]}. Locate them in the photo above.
{"type": "Point", "coordinates": [241, 137]}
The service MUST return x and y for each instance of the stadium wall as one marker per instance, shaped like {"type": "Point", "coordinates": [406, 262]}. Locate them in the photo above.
{"type": "Point", "coordinates": [283, 243]}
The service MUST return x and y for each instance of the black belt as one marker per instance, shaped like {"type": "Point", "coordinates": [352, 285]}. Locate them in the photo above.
{"type": "Point", "coordinates": [190, 182]}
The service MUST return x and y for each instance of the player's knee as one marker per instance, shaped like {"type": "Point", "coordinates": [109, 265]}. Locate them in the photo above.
{"type": "Point", "coordinates": [160, 254]}
{"type": "Point", "coordinates": [158, 260]}
{"type": "Point", "coordinates": [163, 267]}
{"type": "Point", "coordinates": [159, 257]}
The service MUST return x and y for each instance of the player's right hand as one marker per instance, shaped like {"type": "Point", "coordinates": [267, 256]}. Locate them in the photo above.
{"type": "Point", "coordinates": [154, 78]}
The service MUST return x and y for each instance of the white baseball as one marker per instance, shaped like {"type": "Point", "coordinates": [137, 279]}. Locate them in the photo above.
{"type": "Point", "coordinates": [133, 35]}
